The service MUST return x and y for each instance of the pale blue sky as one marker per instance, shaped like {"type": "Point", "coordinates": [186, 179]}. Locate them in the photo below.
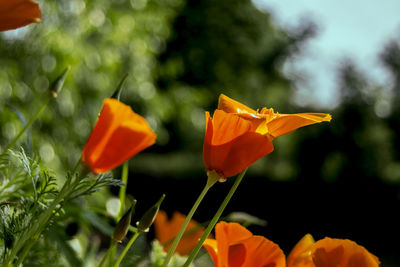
{"type": "Point", "coordinates": [356, 29]}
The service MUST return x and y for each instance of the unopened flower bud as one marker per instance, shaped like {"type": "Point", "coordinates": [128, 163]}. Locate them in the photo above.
{"type": "Point", "coordinates": [118, 90]}
{"type": "Point", "coordinates": [57, 84]}
{"type": "Point", "coordinates": [149, 217]}
{"type": "Point", "coordinates": [122, 227]}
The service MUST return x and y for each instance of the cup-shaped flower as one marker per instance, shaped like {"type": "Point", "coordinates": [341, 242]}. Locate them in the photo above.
{"type": "Point", "coordinates": [166, 230]}
{"type": "Point", "coordinates": [330, 252]}
{"type": "Point", "coordinates": [235, 246]}
{"type": "Point", "coordinates": [118, 135]}
{"type": "Point", "coordinates": [18, 13]}
{"type": "Point", "coordinates": [230, 144]}
{"type": "Point", "coordinates": [237, 136]}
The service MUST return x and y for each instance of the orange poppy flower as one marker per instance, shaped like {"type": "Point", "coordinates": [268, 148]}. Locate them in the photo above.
{"type": "Point", "coordinates": [235, 246]}
{"type": "Point", "coordinates": [166, 230]}
{"type": "Point", "coordinates": [118, 135]}
{"type": "Point", "coordinates": [18, 13]}
{"type": "Point", "coordinates": [237, 135]}
{"type": "Point", "coordinates": [330, 252]}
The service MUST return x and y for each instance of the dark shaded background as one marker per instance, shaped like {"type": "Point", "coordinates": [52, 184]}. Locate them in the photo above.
{"type": "Point", "coordinates": [339, 179]}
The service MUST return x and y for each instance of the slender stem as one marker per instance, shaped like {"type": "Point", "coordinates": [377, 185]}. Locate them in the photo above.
{"type": "Point", "coordinates": [122, 189]}
{"type": "Point", "coordinates": [27, 125]}
{"type": "Point", "coordinates": [215, 218]}
{"type": "Point", "coordinates": [76, 165]}
{"type": "Point", "coordinates": [210, 182]}
{"type": "Point", "coordinates": [112, 246]}
{"type": "Point", "coordinates": [116, 264]}
{"type": "Point", "coordinates": [24, 253]}
{"type": "Point", "coordinates": [122, 194]}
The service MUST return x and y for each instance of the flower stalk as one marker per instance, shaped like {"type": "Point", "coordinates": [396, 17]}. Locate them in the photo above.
{"type": "Point", "coordinates": [212, 179]}
{"type": "Point", "coordinates": [215, 218]}
{"type": "Point", "coordinates": [53, 90]}
{"type": "Point", "coordinates": [131, 241]}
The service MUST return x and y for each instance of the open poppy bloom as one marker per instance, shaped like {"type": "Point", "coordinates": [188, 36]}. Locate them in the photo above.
{"type": "Point", "coordinates": [166, 230]}
{"type": "Point", "coordinates": [330, 252]}
{"type": "Point", "coordinates": [237, 136]}
{"type": "Point", "coordinates": [235, 246]}
{"type": "Point", "coordinates": [18, 13]}
{"type": "Point", "coordinates": [118, 135]}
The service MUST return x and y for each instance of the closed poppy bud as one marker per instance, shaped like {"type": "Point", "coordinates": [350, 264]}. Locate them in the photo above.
{"type": "Point", "coordinates": [148, 218]}
{"type": "Point", "coordinates": [58, 83]}
{"type": "Point", "coordinates": [235, 246]}
{"type": "Point", "coordinates": [122, 227]}
{"type": "Point", "coordinates": [118, 135]}
{"type": "Point", "coordinates": [18, 13]}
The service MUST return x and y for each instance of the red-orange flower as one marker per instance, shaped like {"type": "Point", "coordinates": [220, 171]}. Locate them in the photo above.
{"type": "Point", "coordinates": [118, 135]}
{"type": "Point", "coordinates": [18, 13]}
{"type": "Point", "coordinates": [237, 135]}
{"type": "Point", "coordinates": [330, 252]}
{"type": "Point", "coordinates": [235, 246]}
{"type": "Point", "coordinates": [166, 230]}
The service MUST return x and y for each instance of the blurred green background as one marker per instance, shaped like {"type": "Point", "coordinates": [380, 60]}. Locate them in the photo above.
{"type": "Point", "coordinates": [339, 179]}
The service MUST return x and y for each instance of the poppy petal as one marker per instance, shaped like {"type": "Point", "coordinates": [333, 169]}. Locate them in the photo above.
{"type": "Point", "coordinates": [236, 255]}
{"type": "Point", "coordinates": [161, 227]}
{"type": "Point", "coordinates": [263, 252]}
{"type": "Point", "coordinates": [166, 230]}
{"type": "Point", "coordinates": [232, 106]}
{"type": "Point", "coordinates": [106, 123]}
{"type": "Point", "coordinates": [18, 13]}
{"type": "Point", "coordinates": [342, 252]}
{"type": "Point", "coordinates": [228, 234]}
{"type": "Point", "coordinates": [300, 256]}
{"type": "Point", "coordinates": [228, 126]}
{"type": "Point", "coordinates": [212, 248]}
{"type": "Point", "coordinates": [244, 151]}
{"type": "Point", "coordinates": [287, 123]}
{"type": "Point", "coordinates": [221, 131]}
{"type": "Point", "coordinates": [125, 142]}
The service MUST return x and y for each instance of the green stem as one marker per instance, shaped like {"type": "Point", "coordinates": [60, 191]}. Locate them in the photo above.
{"type": "Point", "coordinates": [27, 125]}
{"type": "Point", "coordinates": [24, 253]}
{"type": "Point", "coordinates": [76, 166]}
{"type": "Point", "coordinates": [122, 189]}
{"type": "Point", "coordinates": [215, 218]}
{"type": "Point", "coordinates": [210, 182]}
{"type": "Point", "coordinates": [122, 194]}
{"type": "Point", "coordinates": [116, 264]}
{"type": "Point", "coordinates": [110, 249]}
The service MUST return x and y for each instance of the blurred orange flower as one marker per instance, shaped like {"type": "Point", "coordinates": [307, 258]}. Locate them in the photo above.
{"type": "Point", "coordinates": [118, 135]}
{"type": "Point", "coordinates": [166, 230]}
{"type": "Point", "coordinates": [330, 252]}
{"type": "Point", "coordinates": [237, 135]}
{"type": "Point", "coordinates": [235, 246]}
{"type": "Point", "coordinates": [18, 13]}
